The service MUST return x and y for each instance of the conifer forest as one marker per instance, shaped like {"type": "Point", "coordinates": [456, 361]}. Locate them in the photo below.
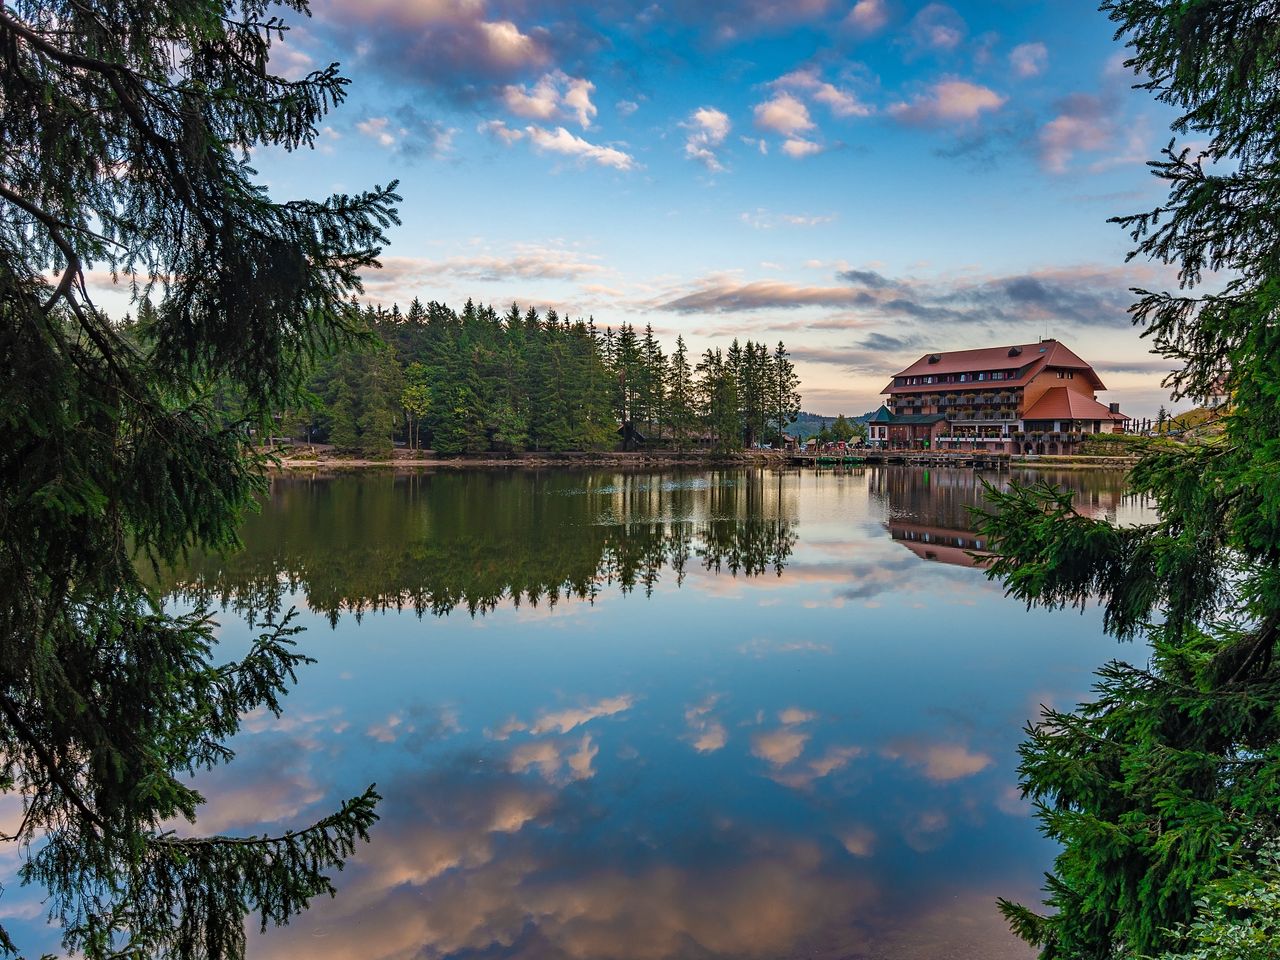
{"type": "Point", "coordinates": [476, 380]}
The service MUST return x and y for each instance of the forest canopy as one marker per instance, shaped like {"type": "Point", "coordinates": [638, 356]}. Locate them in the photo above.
{"type": "Point", "coordinates": [478, 380]}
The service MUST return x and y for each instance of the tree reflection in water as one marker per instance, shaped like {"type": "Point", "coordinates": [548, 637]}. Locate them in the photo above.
{"type": "Point", "coordinates": [437, 542]}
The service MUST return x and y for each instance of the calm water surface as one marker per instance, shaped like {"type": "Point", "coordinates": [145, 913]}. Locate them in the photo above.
{"type": "Point", "coordinates": [637, 716]}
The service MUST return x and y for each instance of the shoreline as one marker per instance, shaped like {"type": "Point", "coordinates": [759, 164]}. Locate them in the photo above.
{"type": "Point", "coordinates": [658, 459]}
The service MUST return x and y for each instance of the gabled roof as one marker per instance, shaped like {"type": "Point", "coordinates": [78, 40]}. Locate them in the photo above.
{"type": "Point", "coordinates": [1028, 358]}
{"type": "Point", "coordinates": [1059, 403]}
{"type": "Point", "coordinates": [917, 418]}
{"type": "Point", "coordinates": [882, 415]}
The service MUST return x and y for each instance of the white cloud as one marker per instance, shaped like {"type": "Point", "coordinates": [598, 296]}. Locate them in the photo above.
{"type": "Point", "coordinates": [580, 760]}
{"type": "Point", "coordinates": [794, 715]}
{"type": "Point", "coordinates": [836, 758]}
{"type": "Point", "coordinates": [1066, 134]}
{"type": "Point", "coordinates": [563, 142]}
{"type": "Point", "coordinates": [707, 128]}
{"type": "Point", "coordinates": [291, 62]}
{"type": "Point", "coordinates": [500, 131]}
{"type": "Point", "coordinates": [327, 137]}
{"type": "Point", "coordinates": [379, 129]}
{"type": "Point", "coordinates": [562, 721]}
{"type": "Point", "coordinates": [868, 16]}
{"type": "Point", "coordinates": [784, 114]}
{"type": "Point", "coordinates": [400, 277]}
{"type": "Point", "coordinates": [385, 732]}
{"type": "Point", "coordinates": [577, 98]}
{"type": "Point", "coordinates": [949, 101]}
{"type": "Point", "coordinates": [762, 219]}
{"type": "Point", "coordinates": [797, 148]}
{"type": "Point", "coordinates": [779, 747]}
{"type": "Point", "coordinates": [940, 762]}
{"type": "Point", "coordinates": [1029, 59]}
{"type": "Point", "coordinates": [409, 132]}
{"type": "Point", "coordinates": [841, 102]}
{"type": "Point", "coordinates": [553, 761]}
{"type": "Point", "coordinates": [626, 107]}
{"type": "Point", "coordinates": [507, 45]}
{"type": "Point", "coordinates": [706, 733]}
{"type": "Point", "coordinates": [555, 94]}
{"type": "Point", "coordinates": [938, 27]}
{"type": "Point", "coordinates": [544, 755]}
{"type": "Point", "coordinates": [540, 103]}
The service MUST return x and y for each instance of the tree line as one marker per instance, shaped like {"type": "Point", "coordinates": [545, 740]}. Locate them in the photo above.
{"type": "Point", "coordinates": [476, 380]}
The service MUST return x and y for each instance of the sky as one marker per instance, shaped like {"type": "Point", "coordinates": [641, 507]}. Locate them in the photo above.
{"type": "Point", "coordinates": [867, 181]}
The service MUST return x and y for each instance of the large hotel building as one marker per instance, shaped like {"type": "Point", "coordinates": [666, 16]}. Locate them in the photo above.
{"type": "Point", "coordinates": [1026, 398]}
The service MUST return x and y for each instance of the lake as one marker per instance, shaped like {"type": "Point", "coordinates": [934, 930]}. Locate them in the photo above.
{"type": "Point", "coordinates": [641, 715]}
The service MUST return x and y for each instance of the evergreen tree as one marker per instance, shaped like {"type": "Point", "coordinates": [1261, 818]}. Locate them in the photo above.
{"type": "Point", "coordinates": [1166, 783]}
{"type": "Point", "coordinates": [123, 128]}
{"type": "Point", "coordinates": [343, 425]}
{"type": "Point", "coordinates": [683, 411]}
{"type": "Point", "coordinates": [626, 366]}
{"type": "Point", "coordinates": [381, 387]}
{"type": "Point", "coordinates": [784, 390]}
{"type": "Point", "coordinates": [718, 394]}
{"type": "Point", "coordinates": [653, 382]}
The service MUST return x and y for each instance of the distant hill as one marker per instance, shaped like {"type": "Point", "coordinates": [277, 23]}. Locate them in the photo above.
{"type": "Point", "coordinates": [808, 424]}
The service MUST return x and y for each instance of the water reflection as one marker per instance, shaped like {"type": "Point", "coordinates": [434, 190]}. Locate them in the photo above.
{"type": "Point", "coordinates": [930, 510]}
{"type": "Point", "coordinates": [757, 727]}
{"type": "Point", "coordinates": [438, 542]}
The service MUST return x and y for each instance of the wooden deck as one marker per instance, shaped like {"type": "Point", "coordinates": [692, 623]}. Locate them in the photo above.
{"type": "Point", "coordinates": [974, 459]}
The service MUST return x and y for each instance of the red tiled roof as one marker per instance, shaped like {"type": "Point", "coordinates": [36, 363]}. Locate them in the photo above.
{"type": "Point", "coordinates": [1059, 403]}
{"type": "Point", "coordinates": [984, 386]}
{"type": "Point", "coordinates": [1034, 356]}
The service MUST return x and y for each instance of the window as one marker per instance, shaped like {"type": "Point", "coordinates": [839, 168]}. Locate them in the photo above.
{"type": "Point", "coordinates": [964, 378]}
{"type": "Point", "coordinates": [1061, 375]}
{"type": "Point", "coordinates": [982, 376]}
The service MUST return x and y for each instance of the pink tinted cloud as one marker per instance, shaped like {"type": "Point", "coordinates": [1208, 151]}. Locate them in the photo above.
{"type": "Point", "coordinates": [868, 16]}
{"type": "Point", "coordinates": [948, 101]}
{"type": "Point", "coordinates": [783, 114]}
{"type": "Point", "coordinates": [938, 27]}
{"type": "Point", "coordinates": [808, 82]}
{"type": "Point", "coordinates": [1029, 59]}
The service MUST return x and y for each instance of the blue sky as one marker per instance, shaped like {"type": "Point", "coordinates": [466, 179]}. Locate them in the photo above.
{"type": "Point", "coordinates": [867, 181]}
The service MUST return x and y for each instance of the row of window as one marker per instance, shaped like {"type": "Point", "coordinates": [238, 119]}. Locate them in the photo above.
{"type": "Point", "coordinates": [956, 378]}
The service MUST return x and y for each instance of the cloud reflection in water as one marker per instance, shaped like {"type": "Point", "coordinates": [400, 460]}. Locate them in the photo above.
{"type": "Point", "coordinates": [687, 772]}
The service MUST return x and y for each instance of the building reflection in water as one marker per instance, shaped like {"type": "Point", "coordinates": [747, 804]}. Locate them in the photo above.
{"type": "Point", "coordinates": [930, 511]}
